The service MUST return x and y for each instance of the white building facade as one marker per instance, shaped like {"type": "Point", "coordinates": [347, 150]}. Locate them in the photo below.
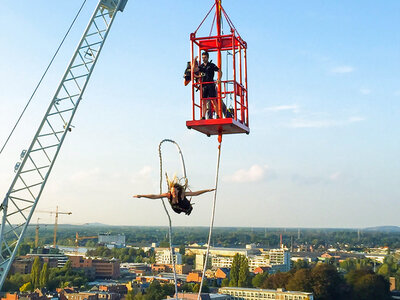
{"type": "Point", "coordinates": [276, 259]}
{"type": "Point", "coordinates": [164, 257]}
{"type": "Point", "coordinates": [236, 293]}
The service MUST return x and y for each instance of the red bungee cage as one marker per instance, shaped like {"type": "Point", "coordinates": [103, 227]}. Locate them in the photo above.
{"type": "Point", "coordinates": [229, 109]}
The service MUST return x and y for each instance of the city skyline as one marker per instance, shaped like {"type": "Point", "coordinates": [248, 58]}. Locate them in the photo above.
{"type": "Point", "coordinates": [324, 103]}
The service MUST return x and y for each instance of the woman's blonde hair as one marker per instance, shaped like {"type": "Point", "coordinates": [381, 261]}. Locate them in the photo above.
{"type": "Point", "coordinates": [176, 181]}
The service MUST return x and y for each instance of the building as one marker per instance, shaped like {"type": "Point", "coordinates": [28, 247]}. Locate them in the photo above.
{"type": "Point", "coordinates": [10, 296]}
{"type": "Point", "coordinates": [199, 261]}
{"type": "Point", "coordinates": [279, 257]}
{"type": "Point", "coordinates": [21, 265]}
{"type": "Point", "coordinates": [203, 296]}
{"type": "Point", "coordinates": [305, 255]}
{"type": "Point", "coordinates": [194, 277]}
{"type": "Point", "coordinates": [90, 296]}
{"type": "Point", "coordinates": [121, 289]}
{"type": "Point", "coordinates": [221, 261]}
{"type": "Point", "coordinates": [255, 294]}
{"type": "Point", "coordinates": [340, 256]}
{"type": "Point", "coordinates": [106, 268]}
{"type": "Point", "coordinates": [163, 257]}
{"type": "Point", "coordinates": [261, 270]}
{"type": "Point", "coordinates": [112, 240]}
{"type": "Point", "coordinates": [139, 269]}
{"type": "Point", "coordinates": [258, 261]}
{"type": "Point", "coordinates": [100, 268]}
{"type": "Point", "coordinates": [180, 269]}
{"type": "Point", "coordinates": [221, 274]}
{"type": "Point", "coordinates": [276, 259]}
{"type": "Point", "coordinates": [52, 260]}
{"type": "Point", "coordinates": [220, 251]}
{"type": "Point", "coordinates": [37, 295]}
{"type": "Point", "coordinates": [392, 281]}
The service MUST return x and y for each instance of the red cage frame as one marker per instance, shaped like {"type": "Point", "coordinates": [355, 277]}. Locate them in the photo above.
{"type": "Point", "coordinates": [235, 88]}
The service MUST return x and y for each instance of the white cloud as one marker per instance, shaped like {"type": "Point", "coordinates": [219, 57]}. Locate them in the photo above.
{"type": "Point", "coordinates": [355, 119]}
{"type": "Point", "coordinates": [342, 69]}
{"type": "Point", "coordinates": [335, 176]}
{"type": "Point", "coordinates": [292, 107]}
{"type": "Point", "coordinates": [253, 174]}
{"type": "Point", "coordinates": [143, 173]}
{"type": "Point", "coordinates": [323, 123]}
{"type": "Point", "coordinates": [365, 91]}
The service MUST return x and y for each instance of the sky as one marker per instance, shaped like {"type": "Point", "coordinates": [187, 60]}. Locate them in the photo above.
{"type": "Point", "coordinates": [324, 105]}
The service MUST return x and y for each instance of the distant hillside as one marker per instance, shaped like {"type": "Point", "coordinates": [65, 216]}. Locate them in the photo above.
{"type": "Point", "coordinates": [383, 229]}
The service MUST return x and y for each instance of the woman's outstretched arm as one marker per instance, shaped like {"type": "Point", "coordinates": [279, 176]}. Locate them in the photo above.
{"type": "Point", "coordinates": [197, 193]}
{"type": "Point", "coordinates": [152, 196]}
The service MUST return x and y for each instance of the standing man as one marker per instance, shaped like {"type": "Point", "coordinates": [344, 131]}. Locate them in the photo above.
{"type": "Point", "coordinates": [207, 69]}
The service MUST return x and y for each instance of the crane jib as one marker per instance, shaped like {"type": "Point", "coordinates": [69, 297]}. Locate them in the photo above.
{"type": "Point", "coordinates": [38, 160]}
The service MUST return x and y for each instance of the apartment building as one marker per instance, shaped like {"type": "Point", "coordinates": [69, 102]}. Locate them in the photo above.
{"type": "Point", "coordinates": [276, 259]}
{"type": "Point", "coordinates": [100, 268]}
{"type": "Point", "coordinates": [236, 293]}
{"type": "Point", "coordinates": [112, 240]}
{"type": "Point", "coordinates": [163, 257]}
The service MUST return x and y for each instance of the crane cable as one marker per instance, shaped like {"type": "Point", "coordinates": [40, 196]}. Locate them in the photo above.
{"type": "Point", "coordinates": [41, 79]}
{"type": "Point", "coordinates": [212, 215]}
{"type": "Point", "coordinates": [165, 207]}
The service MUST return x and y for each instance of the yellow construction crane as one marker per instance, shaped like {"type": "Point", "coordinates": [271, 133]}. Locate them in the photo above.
{"type": "Point", "coordinates": [78, 238]}
{"type": "Point", "coordinates": [56, 221]}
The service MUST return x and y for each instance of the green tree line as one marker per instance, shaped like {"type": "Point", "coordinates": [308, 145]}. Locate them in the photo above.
{"type": "Point", "coordinates": [42, 276]}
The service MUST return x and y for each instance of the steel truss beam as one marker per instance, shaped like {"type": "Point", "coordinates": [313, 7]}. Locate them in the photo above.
{"type": "Point", "coordinates": [38, 160]}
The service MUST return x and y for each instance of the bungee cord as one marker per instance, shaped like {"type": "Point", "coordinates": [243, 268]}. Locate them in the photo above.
{"type": "Point", "coordinates": [212, 215]}
{"type": "Point", "coordinates": [165, 207]}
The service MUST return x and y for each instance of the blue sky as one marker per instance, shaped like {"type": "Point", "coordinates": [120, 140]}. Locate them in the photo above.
{"type": "Point", "coordinates": [324, 100]}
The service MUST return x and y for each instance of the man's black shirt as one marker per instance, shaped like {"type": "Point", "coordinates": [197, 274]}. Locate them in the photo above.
{"type": "Point", "coordinates": [208, 71]}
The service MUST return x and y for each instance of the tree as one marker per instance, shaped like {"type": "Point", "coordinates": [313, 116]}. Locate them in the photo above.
{"type": "Point", "coordinates": [23, 249]}
{"type": "Point", "coordinates": [14, 282]}
{"type": "Point", "coordinates": [67, 267]}
{"type": "Point", "coordinates": [44, 276]}
{"type": "Point", "coordinates": [367, 285]}
{"type": "Point", "coordinates": [259, 279]}
{"type": "Point", "coordinates": [235, 268]}
{"type": "Point", "coordinates": [389, 266]}
{"type": "Point", "coordinates": [187, 287]}
{"type": "Point", "coordinates": [196, 288]}
{"type": "Point", "coordinates": [164, 244]}
{"type": "Point", "coordinates": [154, 291]}
{"type": "Point", "coordinates": [27, 287]}
{"type": "Point", "coordinates": [130, 295]}
{"type": "Point", "coordinates": [300, 281]}
{"type": "Point", "coordinates": [188, 259]}
{"type": "Point", "coordinates": [182, 249]}
{"type": "Point", "coordinates": [244, 274]}
{"type": "Point", "coordinates": [204, 289]}
{"type": "Point", "coordinates": [225, 282]}
{"type": "Point", "coordinates": [140, 296]}
{"type": "Point", "coordinates": [327, 283]}
{"type": "Point", "coordinates": [35, 272]}
{"type": "Point", "coordinates": [300, 264]}
{"type": "Point", "coordinates": [276, 281]}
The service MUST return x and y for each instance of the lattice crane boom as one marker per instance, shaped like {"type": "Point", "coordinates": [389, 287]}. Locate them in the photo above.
{"type": "Point", "coordinates": [38, 160]}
